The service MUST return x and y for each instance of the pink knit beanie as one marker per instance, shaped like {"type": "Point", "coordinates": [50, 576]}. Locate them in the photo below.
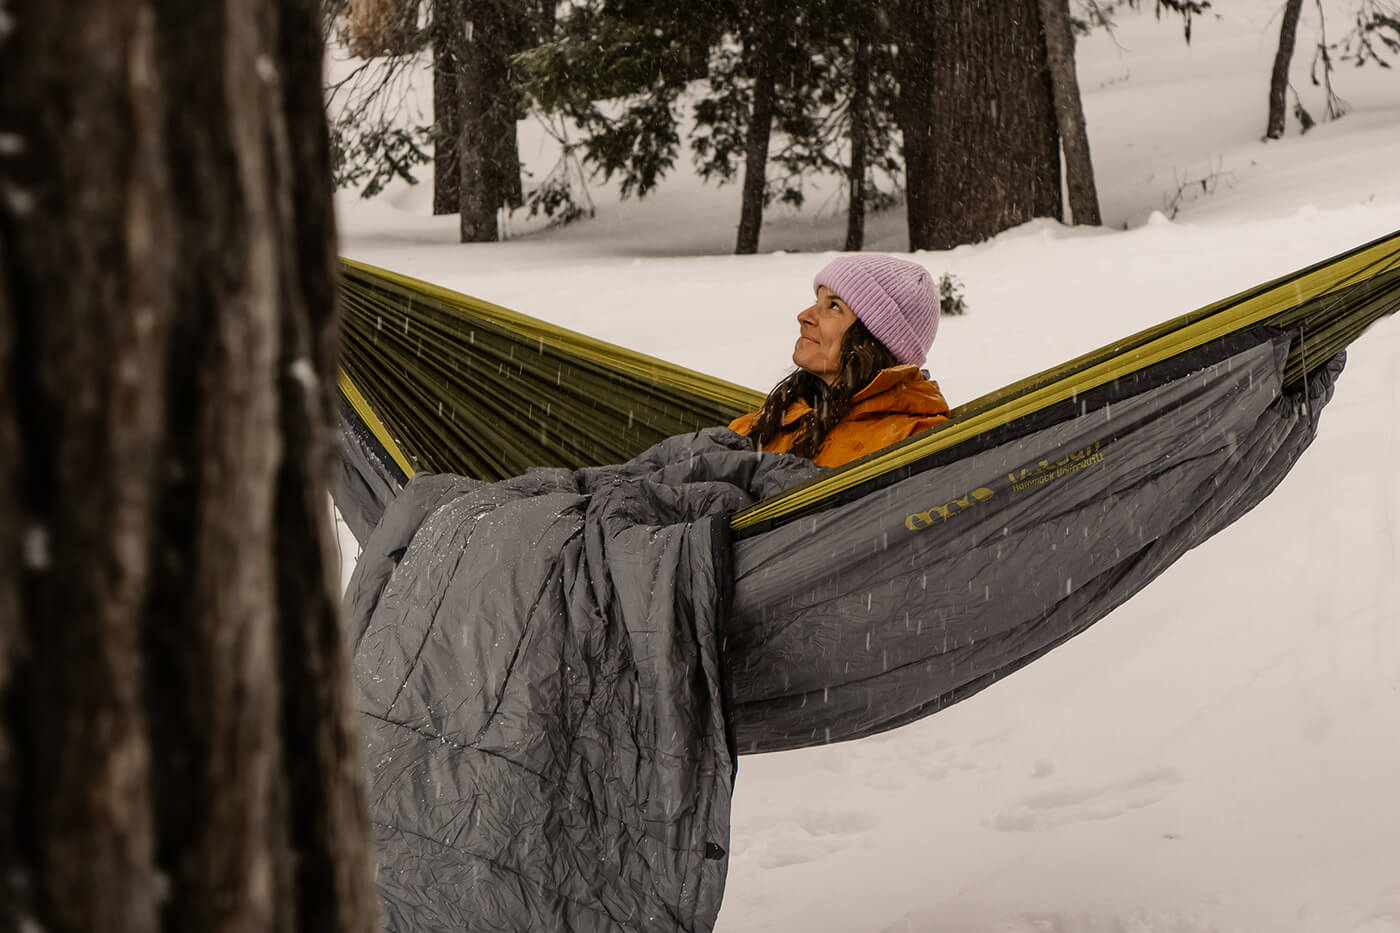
{"type": "Point", "coordinates": [894, 298]}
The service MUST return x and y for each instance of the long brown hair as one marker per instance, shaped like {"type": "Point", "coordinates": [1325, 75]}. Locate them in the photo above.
{"type": "Point", "coordinates": [862, 358]}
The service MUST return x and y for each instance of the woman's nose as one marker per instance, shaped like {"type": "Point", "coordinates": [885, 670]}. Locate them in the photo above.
{"type": "Point", "coordinates": [806, 315]}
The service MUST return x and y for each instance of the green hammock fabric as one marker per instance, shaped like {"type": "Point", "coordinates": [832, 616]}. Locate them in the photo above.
{"type": "Point", "coordinates": [449, 383]}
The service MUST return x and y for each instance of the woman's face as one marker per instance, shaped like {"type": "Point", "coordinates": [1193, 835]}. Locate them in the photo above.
{"type": "Point", "coordinates": [822, 327]}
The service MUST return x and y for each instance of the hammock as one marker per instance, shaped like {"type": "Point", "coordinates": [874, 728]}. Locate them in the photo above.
{"type": "Point", "coordinates": [1113, 464]}
{"type": "Point", "coordinates": [557, 670]}
{"type": "Point", "coordinates": [434, 380]}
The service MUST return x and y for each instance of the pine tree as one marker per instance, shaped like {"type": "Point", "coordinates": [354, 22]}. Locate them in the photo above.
{"type": "Point", "coordinates": [770, 68]}
{"type": "Point", "coordinates": [472, 141]}
{"type": "Point", "coordinates": [766, 37]}
{"type": "Point", "coordinates": [862, 49]}
{"type": "Point", "coordinates": [617, 69]}
{"type": "Point", "coordinates": [837, 112]}
{"type": "Point", "coordinates": [1069, 113]}
{"type": "Point", "coordinates": [446, 130]}
{"type": "Point", "coordinates": [1278, 80]}
{"type": "Point", "coordinates": [482, 36]}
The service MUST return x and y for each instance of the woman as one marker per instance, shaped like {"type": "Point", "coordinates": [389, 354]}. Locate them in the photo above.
{"type": "Point", "coordinates": [858, 386]}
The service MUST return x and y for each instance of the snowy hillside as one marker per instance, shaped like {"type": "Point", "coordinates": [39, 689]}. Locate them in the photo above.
{"type": "Point", "coordinates": [1222, 753]}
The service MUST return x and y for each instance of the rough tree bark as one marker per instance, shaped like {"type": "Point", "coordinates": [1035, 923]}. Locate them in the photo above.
{"type": "Point", "coordinates": [761, 48]}
{"type": "Point", "coordinates": [447, 173]}
{"type": "Point", "coordinates": [1069, 113]}
{"type": "Point", "coordinates": [1278, 81]}
{"type": "Point", "coordinates": [178, 743]}
{"type": "Point", "coordinates": [981, 147]}
{"type": "Point", "coordinates": [489, 167]}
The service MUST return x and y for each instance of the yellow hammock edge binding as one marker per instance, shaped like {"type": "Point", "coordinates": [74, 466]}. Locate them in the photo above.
{"type": "Point", "coordinates": [371, 420]}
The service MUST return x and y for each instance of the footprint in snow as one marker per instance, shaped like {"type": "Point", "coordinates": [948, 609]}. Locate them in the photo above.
{"type": "Point", "coordinates": [1379, 924]}
{"type": "Point", "coordinates": [808, 835]}
{"type": "Point", "coordinates": [888, 782]}
{"type": "Point", "coordinates": [1138, 922]}
{"type": "Point", "coordinates": [1384, 918]}
{"type": "Point", "coordinates": [1101, 802]}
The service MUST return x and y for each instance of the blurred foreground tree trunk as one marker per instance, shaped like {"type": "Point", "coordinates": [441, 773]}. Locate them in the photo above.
{"type": "Point", "coordinates": [1278, 81]}
{"type": "Point", "coordinates": [982, 149]}
{"type": "Point", "coordinates": [178, 744]}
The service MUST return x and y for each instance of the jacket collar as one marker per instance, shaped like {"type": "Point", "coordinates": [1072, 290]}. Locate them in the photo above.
{"type": "Point", "coordinates": [885, 381]}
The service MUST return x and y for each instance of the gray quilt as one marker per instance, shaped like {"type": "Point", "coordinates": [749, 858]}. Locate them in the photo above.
{"type": "Point", "coordinates": [538, 662]}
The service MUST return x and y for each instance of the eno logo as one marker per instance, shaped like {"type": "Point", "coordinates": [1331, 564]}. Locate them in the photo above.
{"type": "Point", "coordinates": [941, 513]}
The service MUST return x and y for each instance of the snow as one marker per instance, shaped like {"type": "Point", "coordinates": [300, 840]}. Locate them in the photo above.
{"type": "Point", "coordinates": [1221, 753]}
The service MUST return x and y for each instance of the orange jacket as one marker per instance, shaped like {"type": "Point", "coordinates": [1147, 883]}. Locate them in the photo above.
{"type": "Point", "coordinates": [899, 402]}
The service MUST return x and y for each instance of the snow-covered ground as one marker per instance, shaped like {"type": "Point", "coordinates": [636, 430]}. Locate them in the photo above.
{"type": "Point", "coordinates": [1220, 754]}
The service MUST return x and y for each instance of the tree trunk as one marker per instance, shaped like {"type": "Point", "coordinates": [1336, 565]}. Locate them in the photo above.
{"type": "Point", "coordinates": [486, 140]}
{"type": "Point", "coordinates": [178, 750]}
{"type": "Point", "coordinates": [855, 175]}
{"type": "Point", "coordinates": [447, 172]}
{"type": "Point", "coordinates": [1069, 113]}
{"type": "Point", "coordinates": [762, 51]}
{"type": "Point", "coordinates": [982, 152]}
{"type": "Point", "coordinates": [1278, 82]}
{"type": "Point", "coordinates": [915, 113]}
